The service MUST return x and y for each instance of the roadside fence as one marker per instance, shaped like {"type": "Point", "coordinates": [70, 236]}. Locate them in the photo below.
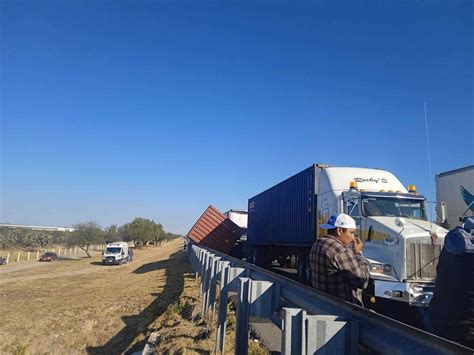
{"type": "Point", "coordinates": [307, 321]}
{"type": "Point", "coordinates": [21, 256]}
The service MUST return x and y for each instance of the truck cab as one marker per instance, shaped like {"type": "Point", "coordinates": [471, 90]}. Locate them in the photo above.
{"type": "Point", "coordinates": [401, 245]}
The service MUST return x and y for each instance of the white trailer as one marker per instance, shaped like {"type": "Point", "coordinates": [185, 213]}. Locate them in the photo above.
{"type": "Point", "coordinates": [455, 191]}
{"type": "Point", "coordinates": [116, 253]}
{"type": "Point", "coordinates": [239, 217]}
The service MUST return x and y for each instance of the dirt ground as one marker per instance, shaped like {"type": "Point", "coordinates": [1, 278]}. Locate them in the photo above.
{"type": "Point", "coordinates": [182, 330]}
{"type": "Point", "coordinates": [80, 306]}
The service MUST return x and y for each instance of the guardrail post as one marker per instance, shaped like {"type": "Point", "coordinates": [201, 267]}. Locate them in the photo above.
{"type": "Point", "coordinates": [206, 278]}
{"type": "Point", "coordinates": [201, 268]}
{"type": "Point", "coordinates": [197, 265]}
{"type": "Point", "coordinates": [213, 281]}
{"type": "Point", "coordinates": [243, 309]}
{"type": "Point", "coordinates": [204, 281]}
{"type": "Point", "coordinates": [222, 313]}
{"type": "Point", "coordinates": [207, 281]}
{"type": "Point", "coordinates": [326, 334]}
{"type": "Point", "coordinates": [197, 260]}
{"type": "Point", "coordinates": [293, 338]}
{"type": "Point", "coordinates": [195, 256]}
{"type": "Point", "coordinates": [204, 257]}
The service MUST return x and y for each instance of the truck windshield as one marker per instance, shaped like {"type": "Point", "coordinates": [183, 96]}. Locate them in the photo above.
{"type": "Point", "coordinates": [393, 207]}
{"type": "Point", "coordinates": [112, 250]}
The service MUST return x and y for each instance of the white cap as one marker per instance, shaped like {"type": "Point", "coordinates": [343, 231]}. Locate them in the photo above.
{"type": "Point", "coordinates": [339, 220]}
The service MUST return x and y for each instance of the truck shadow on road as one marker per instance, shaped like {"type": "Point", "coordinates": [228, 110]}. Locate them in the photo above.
{"type": "Point", "coordinates": [175, 268]}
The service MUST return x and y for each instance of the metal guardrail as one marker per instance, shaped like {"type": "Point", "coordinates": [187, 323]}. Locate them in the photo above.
{"type": "Point", "coordinates": [310, 321]}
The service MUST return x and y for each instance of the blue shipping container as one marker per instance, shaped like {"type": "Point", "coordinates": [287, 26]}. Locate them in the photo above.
{"type": "Point", "coordinates": [285, 214]}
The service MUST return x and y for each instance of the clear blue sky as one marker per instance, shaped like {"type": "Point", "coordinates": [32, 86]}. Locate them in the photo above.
{"type": "Point", "coordinates": [112, 110]}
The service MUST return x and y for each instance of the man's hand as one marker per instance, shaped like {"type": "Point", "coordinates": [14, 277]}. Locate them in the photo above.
{"type": "Point", "coordinates": [358, 245]}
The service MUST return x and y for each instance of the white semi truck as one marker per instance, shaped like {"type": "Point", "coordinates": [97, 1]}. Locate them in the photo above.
{"type": "Point", "coordinates": [116, 253]}
{"type": "Point", "coordinates": [455, 193]}
{"type": "Point", "coordinates": [400, 242]}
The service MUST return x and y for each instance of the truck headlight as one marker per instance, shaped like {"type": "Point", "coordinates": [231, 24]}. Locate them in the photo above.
{"type": "Point", "coordinates": [394, 293]}
{"type": "Point", "coordinates": [384, 269]}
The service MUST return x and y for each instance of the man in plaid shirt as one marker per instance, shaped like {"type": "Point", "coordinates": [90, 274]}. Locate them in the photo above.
{"type": "Point", "coordinates": [337, 267]}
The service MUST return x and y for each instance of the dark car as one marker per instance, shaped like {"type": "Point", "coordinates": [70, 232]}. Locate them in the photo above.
{"type": "Point", "coordinates": [48, 256]}
{"type": "Point", "coordinates": [3, 261]}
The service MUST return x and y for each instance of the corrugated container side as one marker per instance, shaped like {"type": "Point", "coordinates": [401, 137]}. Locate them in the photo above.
{"type": "Point", "coordinates": [215, 231]}
{"type": "Point", "coordinates": [285, 214]}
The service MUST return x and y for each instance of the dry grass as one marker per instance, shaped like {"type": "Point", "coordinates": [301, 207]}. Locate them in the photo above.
{"type": "Point", "coordinates": [182, 330]}
{"type": "Point", "coordinates": [80, 306]}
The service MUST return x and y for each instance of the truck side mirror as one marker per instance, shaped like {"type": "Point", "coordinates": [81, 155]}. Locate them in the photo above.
{"type": "Point", "coordinates": [443, 211]}
{"type": "Point", "coordinates": [340, 204]}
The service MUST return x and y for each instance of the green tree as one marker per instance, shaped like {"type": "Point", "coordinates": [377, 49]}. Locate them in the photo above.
{"type": "Point", "coordinates": [172, 236]}
{"type": "Point", "coordinates": [43, 240]}
{"type": "Point", "coordinates": [29, 240]}
{"type": "Point", "coordinates": [141, 231]}
{"type": "Point", "coordinates": [10, 238]}
{"type": "Point", "coordinates": [124, 233]}
{"type": "Point", "coordinates": [60, 237]}
{"type": "Point", "coordinates": [85, 235]}
{"type": "Point", "coordinates": [159, 234]}
{"type": "Point", "coordinates": [112, 234]}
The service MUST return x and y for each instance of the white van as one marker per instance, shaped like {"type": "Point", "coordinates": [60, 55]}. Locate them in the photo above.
{"type": "Point", "coordinates": [116, 253]}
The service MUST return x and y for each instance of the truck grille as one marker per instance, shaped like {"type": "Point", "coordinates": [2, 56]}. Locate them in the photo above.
{"type": "Point", "coordinates": [422, 260]}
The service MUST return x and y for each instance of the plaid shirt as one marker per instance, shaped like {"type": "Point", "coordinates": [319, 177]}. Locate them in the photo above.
{"type": "Point", "coordinates": [337, 270]}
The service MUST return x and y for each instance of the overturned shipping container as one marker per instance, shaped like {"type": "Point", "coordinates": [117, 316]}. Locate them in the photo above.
{"type": "Point", "coordinates": [214, 230]}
